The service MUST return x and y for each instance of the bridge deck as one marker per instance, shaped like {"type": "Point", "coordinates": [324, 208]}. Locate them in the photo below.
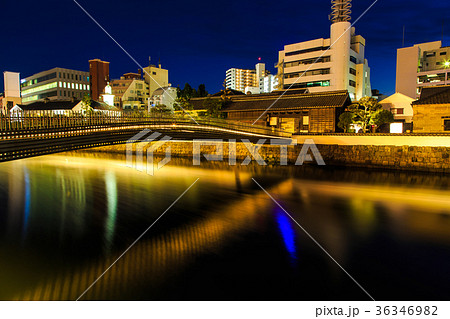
{"type": "Point", "coordinates": [28, 136]}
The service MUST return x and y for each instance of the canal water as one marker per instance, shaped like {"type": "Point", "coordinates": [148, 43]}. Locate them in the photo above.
{"type": "Point", "coordinates": [64, 219]}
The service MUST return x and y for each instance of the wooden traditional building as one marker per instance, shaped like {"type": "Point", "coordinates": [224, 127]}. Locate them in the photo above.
{"type": "Point", "coordinates": [295, 111]}
{"type": "Point", "coordinates": [432, 110]}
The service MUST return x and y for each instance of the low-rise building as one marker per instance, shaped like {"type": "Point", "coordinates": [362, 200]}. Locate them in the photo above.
{"type": "Point", "coordinates": [400, 106]}
{"type": "Point", "coordinates": [164, 96]}
{"type": "Point", "coordinates": [52, 107]}
{"type": "Point", "coordinates": [130, 92]}
{"type": "Point", "coordinates": [432, 110]}
{"type": "Point", "coordinates": [295, 111]}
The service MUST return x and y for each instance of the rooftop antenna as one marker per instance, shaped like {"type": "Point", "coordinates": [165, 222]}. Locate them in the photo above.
{"type": "Point", "coordinates": [403, 42]}
{"type": "Point", "coordinates": [341, 10]}
{"type": "Point", "coordinates": [442, 36]}
{"type": "Point", "coordinates": [149, 61]}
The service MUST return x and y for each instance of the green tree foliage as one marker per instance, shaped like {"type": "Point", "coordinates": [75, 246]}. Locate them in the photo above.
{"type": "Point", "coordinates": [201, 92]}
{"type": "Point", "coordinates": [188, 92]}
{"type": "Point", "coordinates": [181, 104]}
{"type": "Point", "coordinates": [160, 108]}
{"type": "Point", "coordinates": [212, 107]}
{"type": "Point", "coordinates": [86, 103]}
{"type": "Point", "coordinates": [364, 110]}
{"type": "Point", "coordinates": [382, 117]}
{"type": "Point", "coordinates": [345, 119]}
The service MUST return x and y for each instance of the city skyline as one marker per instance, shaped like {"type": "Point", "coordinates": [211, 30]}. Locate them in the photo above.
{"type": "Point", "coordinates": [199, 47]}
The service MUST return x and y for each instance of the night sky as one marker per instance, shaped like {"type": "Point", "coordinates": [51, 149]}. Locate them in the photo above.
{"type": "Point", "coordinates": [199, 40]}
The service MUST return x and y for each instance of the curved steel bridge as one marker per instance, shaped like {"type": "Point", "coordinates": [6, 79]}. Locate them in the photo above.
{"type": "Point", "coordinates": [28, 136]}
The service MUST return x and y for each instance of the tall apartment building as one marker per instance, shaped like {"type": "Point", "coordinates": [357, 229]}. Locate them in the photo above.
{"type": "Point", "coordinates": [156, 77]}
{"type": "Point", "coordinates": [12, 95]}
{"type": "Point", "coordinates": [422, 65]}
{"type": "Point", "coordinates": [99, 77]}
{"type": "Point", "coordinates": [332, 64]}
{"type": "Point", "coordinates": [240, 79]}
{"type": "Point", "coordinates": [130, 92]}
{"type": "Point", "coordinates": [55, 84]}
{"type": "Point", "coordinates": [268, 84]}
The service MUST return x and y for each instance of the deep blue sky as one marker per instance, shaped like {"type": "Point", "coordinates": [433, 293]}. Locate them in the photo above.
{"type": "Point", "coordinates": [199, 40]}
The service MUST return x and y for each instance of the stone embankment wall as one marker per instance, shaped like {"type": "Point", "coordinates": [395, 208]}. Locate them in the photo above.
{"type": "Point", "coordinates": [418, 158]}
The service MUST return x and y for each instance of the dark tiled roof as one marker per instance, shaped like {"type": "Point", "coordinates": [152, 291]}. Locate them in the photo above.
{"type": "Point", "coordinates": [96, 105]}
{"type": "Point", "coordinates": [230, 92]}
{"type": "Point", "coordinates": [434, 95]}
{"type": "Point", "coordinates": [289, 101]}
{"type": "Point", "coordinates": [49, 105]}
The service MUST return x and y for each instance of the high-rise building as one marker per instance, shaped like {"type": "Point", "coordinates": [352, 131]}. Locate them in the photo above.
{"type": "Point", "coordinates": [268, 84]}
{"type": "Point", "coordinates": [55, 84]}
{"type": "Point", "coordinates": [422, 65]}
{"type": "Point", "coordinates": [156, 77]}
{"type": "Point", "coordinates": [332, 64]}
{"type": "Point", "coordinates": [12, 94]}
{"type": "Point", "coordinates": [99, 77]}
{"type": "Point", "coordinates": [240, 79]}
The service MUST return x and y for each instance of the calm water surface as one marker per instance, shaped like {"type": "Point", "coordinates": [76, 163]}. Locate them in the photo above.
{"type": "Point", "coordinates": [65, 218]}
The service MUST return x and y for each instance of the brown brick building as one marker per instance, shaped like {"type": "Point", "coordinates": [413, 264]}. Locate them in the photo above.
{"type": "Point", "coordinates": [98, 77]}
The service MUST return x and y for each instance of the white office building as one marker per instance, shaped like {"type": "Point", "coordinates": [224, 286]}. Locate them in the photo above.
{"type": "Point", "coordinates": [55, 84]}
{"type": "Point", "coordinates": [422, 65]}
{"type": "Point", "coordinates": [335, 63]}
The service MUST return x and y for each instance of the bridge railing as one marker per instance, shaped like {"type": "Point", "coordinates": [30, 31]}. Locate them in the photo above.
{"type": "Point", "coordinates": [47, 120]}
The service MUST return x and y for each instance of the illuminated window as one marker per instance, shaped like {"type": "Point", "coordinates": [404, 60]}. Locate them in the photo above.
{"type": "Point", "coordinates": [40, 88]}
{"type": "Point", "coordinates": [60, 84]}
{"type": "Point", "coordinates": [76, 86]}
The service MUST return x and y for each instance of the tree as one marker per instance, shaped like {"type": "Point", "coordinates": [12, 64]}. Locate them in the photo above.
{"type": "Point", "coordinates": [187, 92]}
{"type": "Point", "coordinates": [181, 104]}
{"type": "Point", "coordinates": [201, 92]}
{"type": "Point", "coordinates": [364, 110]}
{"type": "Point", "coordinates": [160, 109]}
{"type": "Point", "coordinates": [382, 117]}
{"type": "Point", "coordinates": [86, 103]}
{"type": "Point", "coordinates": [212, 107]}
{"type": "Point", "coordinates": [345, 119]}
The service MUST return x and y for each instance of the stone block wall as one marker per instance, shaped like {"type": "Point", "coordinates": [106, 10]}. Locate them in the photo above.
{"type": "Point", "coordinates": [428, 159]}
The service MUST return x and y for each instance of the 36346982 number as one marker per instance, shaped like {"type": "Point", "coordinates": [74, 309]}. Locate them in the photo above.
{"type": "Point", "coordinates": [404, 310]}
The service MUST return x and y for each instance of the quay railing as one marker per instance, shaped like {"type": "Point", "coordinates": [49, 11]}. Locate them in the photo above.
{"type": "Point", "coordinates": [26, 122]}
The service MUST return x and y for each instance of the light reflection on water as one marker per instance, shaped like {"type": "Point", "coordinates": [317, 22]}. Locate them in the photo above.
{"type": "Point", "coordinates": [67, 217]}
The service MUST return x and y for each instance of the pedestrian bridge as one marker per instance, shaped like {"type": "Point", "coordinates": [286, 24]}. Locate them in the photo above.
{"type": "Point", "coordinates": [34, 135]}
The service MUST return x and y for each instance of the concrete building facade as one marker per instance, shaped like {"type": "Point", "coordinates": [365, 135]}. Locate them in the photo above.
{"type": "Point", "coordinates": [422, 65]}
{"type": "Point", "coordinates": [164, 96]}
{"type": "Point", "coordinates": [336, 63]}
{"type": "Point", "coordinates": [400, 106]}
{"type": "Point", "coordinates": [12, 93]}
{"type": "Point", "coordinates": [55, 84]}
{"type": "Point", "coordinates": [99, 77]}
{"type": "Point", "coordinates": [130, 92]}
{"type": "Point", "coordinates": [156, 77]}
{"type": "Point", "coordinates": [268, 84]}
